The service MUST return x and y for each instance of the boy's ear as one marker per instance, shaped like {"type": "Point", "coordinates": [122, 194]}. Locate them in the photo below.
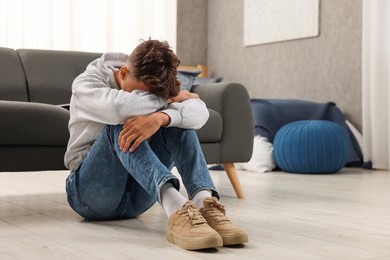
{"type": "Point", "coordinates": [122, 71]}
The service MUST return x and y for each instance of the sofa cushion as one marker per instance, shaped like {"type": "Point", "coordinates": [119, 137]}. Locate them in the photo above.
{"type": "Point", "coordinates": [211, 132]}
{"type": "Point", "coordinates": [207, 80]}
{"type": "Point", "coordinates": [50, 73]}
{"type": "Point", "coordinates": [187, 78]}
{"type": "Point", "coordinates": [12, 80]}
{"type": "Point", "coordinates": [31, 123]}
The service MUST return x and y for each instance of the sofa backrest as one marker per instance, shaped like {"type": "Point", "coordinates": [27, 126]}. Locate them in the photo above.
{"type": "Point", "coordinates": [12, 80]}
{"type": "Point", "coordinates": [50, 73]}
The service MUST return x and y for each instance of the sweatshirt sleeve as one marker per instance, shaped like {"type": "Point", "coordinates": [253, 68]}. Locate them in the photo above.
{"type": "Point", "coordinates": [189, 114]}
{"type": "Point", "coordinates": [94, 101]}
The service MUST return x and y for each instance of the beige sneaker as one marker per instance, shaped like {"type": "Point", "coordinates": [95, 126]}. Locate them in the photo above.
{"type": "Point", "coordinates": [215, 215]}
{"type": "Point", "coordinates": [189, 230]}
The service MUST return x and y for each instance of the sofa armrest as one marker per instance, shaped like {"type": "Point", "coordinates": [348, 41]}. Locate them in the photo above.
{"type": "Point", "coordinates": [27, 123]}
{"type": "Point", "coordinates": [232, 101]}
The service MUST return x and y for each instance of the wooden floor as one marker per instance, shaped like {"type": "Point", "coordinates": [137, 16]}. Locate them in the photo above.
{"type": "Point", "coordinates": [287, 216]}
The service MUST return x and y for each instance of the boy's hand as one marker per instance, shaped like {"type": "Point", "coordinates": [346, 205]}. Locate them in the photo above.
{"type": "Point", "coordinates": [183, 95]}
{"type": "Point", "coordinates": [140, 128]}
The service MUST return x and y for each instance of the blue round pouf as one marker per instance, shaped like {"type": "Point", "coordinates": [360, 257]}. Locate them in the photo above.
{"type": "Point", "coordinates": [311, 146]}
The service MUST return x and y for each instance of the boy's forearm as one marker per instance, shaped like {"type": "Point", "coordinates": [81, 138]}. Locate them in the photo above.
{"type": "Point", "coordinates": [189, 114]}
{"type": "Point", "coordinates": [165, 119]}
{"type": "Point", "coordinates": [139, 128]}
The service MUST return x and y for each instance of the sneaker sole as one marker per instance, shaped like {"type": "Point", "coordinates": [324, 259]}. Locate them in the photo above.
{"type": "Point", "coordinates": [234, 239]}
{"type": "Point", "coordinates": [194, 243]}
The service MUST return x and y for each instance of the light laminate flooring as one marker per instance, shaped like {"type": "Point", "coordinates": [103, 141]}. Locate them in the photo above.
{"type": "Point", "coordinates": [287, 216]}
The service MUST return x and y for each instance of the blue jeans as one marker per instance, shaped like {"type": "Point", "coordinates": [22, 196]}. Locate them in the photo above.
{"type": "Point", "coordinates": [111, 184]}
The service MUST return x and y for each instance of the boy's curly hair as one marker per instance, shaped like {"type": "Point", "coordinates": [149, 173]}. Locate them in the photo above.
{"type": "Point", "coordinates": [154, 63]}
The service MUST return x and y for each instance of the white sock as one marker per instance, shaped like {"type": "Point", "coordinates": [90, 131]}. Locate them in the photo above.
{"type": "Point", "coordinates": [171, 199]}
{"type": "Point", "coordinates": [198, 198]}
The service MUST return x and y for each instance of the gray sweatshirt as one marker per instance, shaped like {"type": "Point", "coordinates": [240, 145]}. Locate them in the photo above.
{"type": "Point", "coordinates": [97, 101]}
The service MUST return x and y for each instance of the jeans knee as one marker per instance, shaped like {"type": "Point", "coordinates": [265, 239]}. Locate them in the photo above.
{"type": "Point", "coordinates": [82, 209]}
{"type": "Point", "coordinates": [112, 132]}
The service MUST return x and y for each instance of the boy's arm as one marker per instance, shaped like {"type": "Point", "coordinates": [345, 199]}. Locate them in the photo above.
{"type": "Point", "coordinates": [140, 128]}
{"type": "Point", "coordinates": [94, 101]}
{"type": "Point", "coordinates": [187, 111]}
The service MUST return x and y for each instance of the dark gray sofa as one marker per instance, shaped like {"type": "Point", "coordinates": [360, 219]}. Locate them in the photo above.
{"type": "Point", "coordinates": [34, 127]}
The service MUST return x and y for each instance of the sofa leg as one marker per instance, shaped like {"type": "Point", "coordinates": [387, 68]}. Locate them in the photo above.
{"type": "Point", "coordinates": [232, 174]}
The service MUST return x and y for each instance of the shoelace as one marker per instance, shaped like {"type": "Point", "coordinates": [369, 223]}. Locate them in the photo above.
{"type": "Point", "coordinates": [217, 212]}
{"type": "Point", "coordinates": [193, 214]}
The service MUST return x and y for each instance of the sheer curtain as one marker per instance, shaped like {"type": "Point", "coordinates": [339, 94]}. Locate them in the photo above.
{"type": "Point", "coordinates": [86, 25]}
{"type": "Point", "coordinates": [376, 82]}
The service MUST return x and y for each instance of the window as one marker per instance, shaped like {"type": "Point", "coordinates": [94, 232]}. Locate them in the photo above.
{"type": "Point", "coordinates": [86, 25]}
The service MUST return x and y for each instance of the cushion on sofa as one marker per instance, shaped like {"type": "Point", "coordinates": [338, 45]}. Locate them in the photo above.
{"type": "Point", "coordinates": [207, 80]}
{"type": "Point", "coordinates": [50, 73]}
{"type": "Point", "coordinates": [31, 123]}
{"type": "Point", "coordinates": [13, 83]}
{"type": "Point", "coordinates": [187, 78]}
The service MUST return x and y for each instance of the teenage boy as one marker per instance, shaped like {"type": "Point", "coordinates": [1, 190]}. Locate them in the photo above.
{"type": "Point", "coordinates": [129, 125]}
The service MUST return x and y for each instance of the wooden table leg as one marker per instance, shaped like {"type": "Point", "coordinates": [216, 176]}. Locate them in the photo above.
{"type": "Point", "coordinates": [233, 177]}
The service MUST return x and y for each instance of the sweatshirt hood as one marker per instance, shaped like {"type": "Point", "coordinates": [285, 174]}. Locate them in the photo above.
{"type": "Point", "coordinates": [106, 64]}
{"type": "Point", "coordinates": [110, 61]}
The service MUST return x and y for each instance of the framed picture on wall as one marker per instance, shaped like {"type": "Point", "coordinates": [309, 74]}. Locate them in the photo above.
{"type": "Point", "coordinates": [267, 21]}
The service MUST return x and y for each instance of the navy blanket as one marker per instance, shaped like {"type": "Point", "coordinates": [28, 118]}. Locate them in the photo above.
{"type": "Point", "coordinates": [271, 114]}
